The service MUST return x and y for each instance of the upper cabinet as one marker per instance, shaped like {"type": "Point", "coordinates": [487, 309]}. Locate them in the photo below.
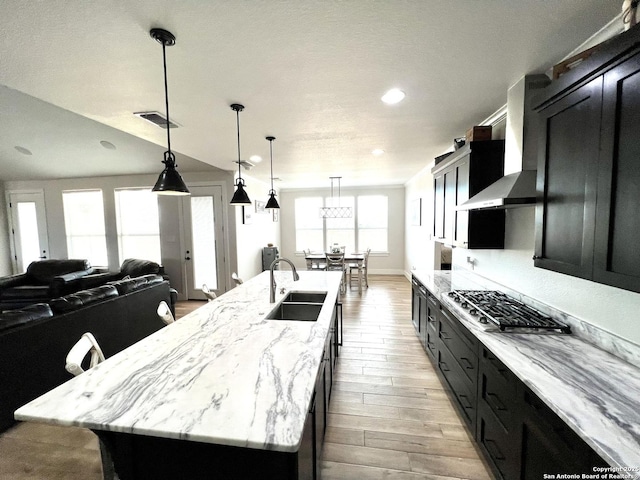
{"type": "Point", "coordinates": [463, 174]}
{"type": "Point", "coordinates": [587, 216]}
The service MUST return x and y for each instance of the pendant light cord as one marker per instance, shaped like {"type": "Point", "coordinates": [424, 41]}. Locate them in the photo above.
{"type": "Point", "coordinates": [271, 155]}
{"type": "Point", "coordinates": [166, 100]}
{"type": "Point", "coordinates": [238, 130]}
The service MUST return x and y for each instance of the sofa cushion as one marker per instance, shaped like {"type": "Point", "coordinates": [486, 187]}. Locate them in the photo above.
{"type": "Point", "coordinates": [37, 292]}
{"type": "Point", "coordinates": [135, 267]}
{"type": "Point", "coordinates": [130, 285]}
{"type": "Point", "coordinates": [153, 279]}
{"type": "Point", "coordinates": [33, 312]}
{"type": "Point", "coordinates": [82, 298]}
{"type": "Point", "coordinates": [44, 271]}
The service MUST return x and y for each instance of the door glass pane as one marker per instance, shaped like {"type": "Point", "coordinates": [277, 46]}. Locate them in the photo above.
{"type": "Point", "coordinates": [28, 225]}
{"type": "Point", "coordinates": [138, 224]}
{"type": "Point", "coordinates": [84, 224]}
{"type": "Point", "coordinates": [204, 242]}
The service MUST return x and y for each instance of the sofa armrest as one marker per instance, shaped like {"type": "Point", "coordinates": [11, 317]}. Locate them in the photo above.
{"type": "Point", "coordinates": [97, 279]}
{"type": "Point", "coordinates": [12, 280]}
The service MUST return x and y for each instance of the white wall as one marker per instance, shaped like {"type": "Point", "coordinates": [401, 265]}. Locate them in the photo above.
{"type": "Point", "coordinates": [262, 230]}
{"type": "Point", "coordinates": [393, 263]}
{"type": "Point", "coordinates": [5, 251]}
{"type": "Point", "coordinates": [420, 250]}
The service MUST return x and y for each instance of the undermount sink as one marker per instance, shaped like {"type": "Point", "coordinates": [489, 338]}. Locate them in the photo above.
{"type": "Point", "coordinates": [296, 311]}
{"type": "Point", "coordinates": [307, 297]}
{"type": "Point", "coordinates": [303, 306]}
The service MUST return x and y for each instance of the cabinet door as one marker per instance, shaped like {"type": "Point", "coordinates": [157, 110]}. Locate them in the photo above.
{"type": "Point", "coordinates": [461, 232]}
{"type": "Point", "coordinates": [415, 305]}
{"type": "Point", "coordinates": [617, 257]}
{"type": "Point", "coordinates": [567, 169]}
{"type": "Point", "coordinates": [449, 204]}
{"type": "Point", "coordinates": [438, 205]}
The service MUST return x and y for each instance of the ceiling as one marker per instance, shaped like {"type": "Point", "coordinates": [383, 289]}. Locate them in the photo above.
{"type": "Point", "coordinates": [309, 73]}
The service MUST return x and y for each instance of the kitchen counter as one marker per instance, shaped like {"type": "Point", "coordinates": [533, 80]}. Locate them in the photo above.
{"type": "Point", "coordinates": [222, 374]}
{"type": "Point", "coordinates": [596, 393]}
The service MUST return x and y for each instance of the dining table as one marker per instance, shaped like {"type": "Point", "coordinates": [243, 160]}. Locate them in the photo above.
{"type": "Point", "coordinates": [318, 258]}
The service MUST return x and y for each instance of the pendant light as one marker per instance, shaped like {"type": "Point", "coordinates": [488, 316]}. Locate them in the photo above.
{"type": "Point", "coordinates": [240, 196]}
{"type": "Point", "coordinates": [333, 211]}
{"type": "Point", "coordinates": [272, 202]}
{"type": "Point", "coordinates": [169, 182]}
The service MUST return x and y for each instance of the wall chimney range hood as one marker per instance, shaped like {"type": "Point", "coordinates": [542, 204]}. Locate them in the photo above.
{"type": "Point", "coordinates": [517, 189]}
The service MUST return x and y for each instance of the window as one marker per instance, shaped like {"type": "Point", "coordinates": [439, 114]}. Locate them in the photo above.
{"type": "Point", "coordinates": [84, 224]}
{"type": "Point", "coordinates": [309, 224]}
{"type": "Point", "coordinates": [373, 219]}
{"type": "Point", "coordinates": [370, 216]}
{"type": "Point", "coordinates": [340, 230]}
{"type": "Point", "coordinates": [138, 224]}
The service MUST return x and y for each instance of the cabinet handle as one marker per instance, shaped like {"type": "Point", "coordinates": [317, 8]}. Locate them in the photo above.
{"type": "Point", "coordinates": [469, 365]}
{"type": "Point", "coordinates": [496, 401]}
{"type": "Point", "coordinates": [493, 449]}
{"type": "Point", "coordinates": [466, 400]}
{"type": "Point", "coordinates": [535, 257]}
{"type": "Point", "coordinates": [443, 366]}
{"type": "Point", "coordinates": [444, 337]}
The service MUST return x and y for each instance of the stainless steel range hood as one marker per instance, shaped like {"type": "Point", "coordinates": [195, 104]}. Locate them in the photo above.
{"type": "Point", "coordinates": [518, 187]}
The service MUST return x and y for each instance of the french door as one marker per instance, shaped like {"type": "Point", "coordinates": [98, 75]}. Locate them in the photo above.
{"type": "Point", "coordinates": [30, 241]}
{"type": "Point", "coordinates": [204, 245]}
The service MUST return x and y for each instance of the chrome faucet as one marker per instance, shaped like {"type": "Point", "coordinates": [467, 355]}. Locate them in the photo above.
{"type": "Point", "coordinates": [272, 285]}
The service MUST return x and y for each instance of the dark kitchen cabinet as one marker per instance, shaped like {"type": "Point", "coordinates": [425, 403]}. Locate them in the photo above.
{"type": "Point", "coordinates": [424, 308]}
{"type": "Point", "coordinates": [587, 220]}
{"type": "Point", "coordinates": [462, 175]}
{"type": "Point", "coordinates": [498, 429]}
{"type": "Point", "coordinates": [458, 363]}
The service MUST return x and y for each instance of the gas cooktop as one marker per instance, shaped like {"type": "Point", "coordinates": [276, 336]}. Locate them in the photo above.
{"type": "Point", "coordinates": [505, 311]}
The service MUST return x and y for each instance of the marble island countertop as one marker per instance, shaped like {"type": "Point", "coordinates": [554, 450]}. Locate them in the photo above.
{"type": "Point", "coordinates": [596, 393]}
{"type": "Point", "coordinates": [222, 374]}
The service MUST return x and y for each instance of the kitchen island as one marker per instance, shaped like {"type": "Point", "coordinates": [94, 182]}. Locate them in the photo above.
{"type": "Point", "coordinates": [221, 393]}
{"type": "Point", "coordinates": [594, 392]}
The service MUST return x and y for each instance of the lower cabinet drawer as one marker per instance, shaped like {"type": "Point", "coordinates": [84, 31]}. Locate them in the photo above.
{"type": "Point", "coordinates": [463, 389]}
{"type": "Point", "coordinates": [457, 344]}
{"type": "Point", "coordinates": [498, 389]}
{"type": "Point", "coordinates": [431, 344]}
{"type": "Point", "coordinates": [499, 445]}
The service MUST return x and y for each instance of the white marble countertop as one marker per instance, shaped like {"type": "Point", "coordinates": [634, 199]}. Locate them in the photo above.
{"type": "Point", "coordinates": [596, 393]}
{"type": "Point", "coordinates": [222, 374]}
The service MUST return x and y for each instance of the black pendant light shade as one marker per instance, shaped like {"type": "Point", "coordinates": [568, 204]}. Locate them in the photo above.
{"type": "Point", "coordinates": [169, 182]}
{"type": "Point", "coordinates": [272, 202]}
{"type": "Point", "coordinates": [240, 196]}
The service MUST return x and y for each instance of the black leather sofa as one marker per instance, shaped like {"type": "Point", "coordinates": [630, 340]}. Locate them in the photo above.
{"type": "Point", "coordinates": [35, 341]}
{"type": "Point", "coordinates": [43, 280]}
{"type": "Point", "coordinates": [130, 268]}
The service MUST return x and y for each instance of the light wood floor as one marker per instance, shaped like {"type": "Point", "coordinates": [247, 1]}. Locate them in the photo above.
{"type": "Point", "coordinates": [389, 417]}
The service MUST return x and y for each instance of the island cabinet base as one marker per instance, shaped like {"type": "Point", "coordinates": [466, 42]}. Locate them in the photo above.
{"type": "Point", "coordinates": [143, 457]}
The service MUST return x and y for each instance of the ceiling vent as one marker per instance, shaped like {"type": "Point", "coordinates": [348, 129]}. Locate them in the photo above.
{"type": "Point", "coordinates": [246, 164]}
{"type": "Point", "coordinates": [157, 119]}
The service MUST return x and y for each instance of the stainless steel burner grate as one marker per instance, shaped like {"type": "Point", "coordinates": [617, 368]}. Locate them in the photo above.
{"type": "Point", "coordinates": [504, 311]}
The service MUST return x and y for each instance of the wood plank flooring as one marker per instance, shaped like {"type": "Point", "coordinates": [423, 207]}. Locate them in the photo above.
{"type": "Point", "coordinates": [389, 416]}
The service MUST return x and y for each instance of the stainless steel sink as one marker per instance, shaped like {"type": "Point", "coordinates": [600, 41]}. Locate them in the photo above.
{"type": "Point", "coordinates": [296, 311]}
{"type": "Point", "coordinates": [306, 297]}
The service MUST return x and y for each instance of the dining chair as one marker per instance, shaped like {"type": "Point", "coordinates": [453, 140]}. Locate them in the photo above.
{"type": "Point", "coordinates": [311, 265]}
{"type": "Point", "coordinates": [88, 345]}
{"type": "Point", "coordinates": [164, 312]}
{"type": "Point", "coordinates": [335, 262]}
{"type": "Point", "coordinates": [365, 270]}
{"type": "Point", "coordinates": [211, 296]}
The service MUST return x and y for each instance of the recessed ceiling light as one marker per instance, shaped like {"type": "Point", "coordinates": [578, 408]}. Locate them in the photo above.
{"type": "Point", "coordinates": [107, 145]}
{"type": "Point", "coordinates": [22, 150]}
{"type": "Point", "coordinates": [255, 158]}
{"type": "Point", "coordinates": [377, 152]}
{"type": "Point", "coordinates": [394, 95]}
